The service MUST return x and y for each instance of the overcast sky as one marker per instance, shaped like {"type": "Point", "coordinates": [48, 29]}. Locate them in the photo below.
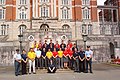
{"type": "Point", "coordinates": [100, 2]}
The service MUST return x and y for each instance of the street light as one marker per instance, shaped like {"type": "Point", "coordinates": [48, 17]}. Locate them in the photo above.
{"type": "Point", "coordinates": [20, 40]}
{"type": "Point", "coordinates": [84, 36]}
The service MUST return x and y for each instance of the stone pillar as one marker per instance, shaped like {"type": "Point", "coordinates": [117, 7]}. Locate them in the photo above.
{"type": "Point", "coordinates": [112, 15]}
{"type": "Point", "coordinates": [37, 8]}
{"type": "Point", "coordinates": [33, 8]}
{"type": "Point", "coordinates": [102, 15]}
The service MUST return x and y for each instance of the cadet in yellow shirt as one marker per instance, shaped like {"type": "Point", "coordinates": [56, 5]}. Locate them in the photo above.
{"type": "Point", "coordinates": [31, 56]}
{"type": "Point", "coordinates": [49, 56]}
{"type": "Point", "coordinates": [60, 59]}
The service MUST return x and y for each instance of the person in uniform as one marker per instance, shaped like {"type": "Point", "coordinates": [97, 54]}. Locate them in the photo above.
{"type": "Point", "coordinates": [76, 60]}
{"type": "Point", "coordinates": [17, 62]}
{"type": "Point", "coordinates": [51, 67]}
{"type": "Point", "coordinates": [82, 60]}
{"type": "Point", "coordinates": [24, 62]}
{"type": "Point", "coordinates": [88, 56]}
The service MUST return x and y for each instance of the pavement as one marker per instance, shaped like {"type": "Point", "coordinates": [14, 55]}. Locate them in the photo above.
{"type": "Point", "coordinates": [101, 71]}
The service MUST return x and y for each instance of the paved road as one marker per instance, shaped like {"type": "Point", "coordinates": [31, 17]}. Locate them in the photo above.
{"type": "Point", "coordinates": [101, 72]}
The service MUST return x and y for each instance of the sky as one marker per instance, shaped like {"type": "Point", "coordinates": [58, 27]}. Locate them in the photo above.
{"type": "Point", "coordinates": [100, 2]}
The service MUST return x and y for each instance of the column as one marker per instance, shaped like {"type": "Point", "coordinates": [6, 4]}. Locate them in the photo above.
{"type": "Point", "coordinates": [102, 15]}
{"type": "Point", "coordinates": [54, 11]}
{"type": "Point", "coordinates": [37, 8]}
{"type": "Point", "coordinates": [112, 15]}
{"type": "Point", "coordinates": [117, 14]}
{"type": "Point", "coordinates": [52, 8]}
{"type": "Point", "coordinates": [33, 8]}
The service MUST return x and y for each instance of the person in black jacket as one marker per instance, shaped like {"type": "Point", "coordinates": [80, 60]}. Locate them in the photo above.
{"type": "Point", "coordinates": [81, 60]}
{"type": "Point", "coordinates": [51, 67]}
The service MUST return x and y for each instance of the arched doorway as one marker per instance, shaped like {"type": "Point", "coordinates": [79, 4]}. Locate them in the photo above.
{"type": "Point", "coordinates": [112, 50]}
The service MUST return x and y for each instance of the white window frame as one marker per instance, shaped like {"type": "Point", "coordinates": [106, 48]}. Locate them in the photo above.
{"type": "Point", "coordinates": [22, 14]}
{"type": "Point", "coordinates": [65, 2]}
{"type": "Point", "coordinates": [89, 29]}
{"type": "Point", "coordinates": [22, 28]}
{"type": "Point", "coordinates": [65, 14]}
{"type": "Point", "coordinates": [86, 13]}
{"type": "Point", "coordinates": [44, 0]}
{"type": "Point", "coordinates": [22, 2]}
{"type": "Point", "coordinates": [4, 29]}
{"type": "Point", "coordinates": [85, 2]}
{"type": "Point", "coordinates": [44, 11]}
{"type": "Point", "coordinates": [83, 30]}
{"type": "Point", "coordinates": [2, 13]}
{"type": "Point", "coordinates": [2, 1]}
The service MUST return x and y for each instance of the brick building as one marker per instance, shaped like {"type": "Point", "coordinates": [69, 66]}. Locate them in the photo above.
{"type": "Point", "coordinates": [71, 16]}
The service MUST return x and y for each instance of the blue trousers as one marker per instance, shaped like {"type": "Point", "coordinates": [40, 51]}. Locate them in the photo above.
{"type": "Point", "coordinates": [17, 68]}
{"type": "Point", "coordinates": [90, 65]}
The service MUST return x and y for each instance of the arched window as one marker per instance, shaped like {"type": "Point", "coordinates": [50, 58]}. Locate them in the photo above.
{"type": "Point", "coordinates": [22, 28]}
{"type": "Point", "coordinates": [86, 13]}
{"type": "Point", "coordinates": [44, 27]}
{"type": "Point", "coordinates": [65, 26]}
{"type": "Point", "coordinates": [22, 14]}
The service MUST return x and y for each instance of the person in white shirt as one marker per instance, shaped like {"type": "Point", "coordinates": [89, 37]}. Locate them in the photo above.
{"type": "Point", "coordinates": [38, 58]}
{"type": "Point", "coordinates": [88, 56]}
{"type": "Point", "coordinates": [17, 62]}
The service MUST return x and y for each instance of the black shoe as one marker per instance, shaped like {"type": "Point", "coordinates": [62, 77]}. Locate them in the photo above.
{"type": "Point", "coordinates": [29, 73]}
{"type": "Point", "coordinates": [86, 71]}
{"type": "Point", "coordinates": [34, 73]}
{"type": "Point", "coordinates": [91, 72]}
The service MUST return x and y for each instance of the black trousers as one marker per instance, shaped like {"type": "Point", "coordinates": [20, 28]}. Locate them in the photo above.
{"type": "Point", "coordinates": [24, 70]}
{"type": "Point", "coordinates": [90, 65]}
{"type": "Point", "coordinates": [82, 66]}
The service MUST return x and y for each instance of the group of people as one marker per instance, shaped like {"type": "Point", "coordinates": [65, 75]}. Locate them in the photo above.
{"type": "Point", "coordinates": [52, 57]}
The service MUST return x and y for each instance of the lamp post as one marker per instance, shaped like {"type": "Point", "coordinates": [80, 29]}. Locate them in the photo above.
{"type": "Point", "coordinates": [20, 41]}
{"type": "Point", "coordinates": [84, 36]}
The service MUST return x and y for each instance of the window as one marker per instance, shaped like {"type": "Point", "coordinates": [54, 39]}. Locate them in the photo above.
{"type": "Point", "coordinates": [2, 1]}
{"type": "Point", "coordinates": [86, 2]}
{"type": "Point", "coordinates": [22, 14]}
{"type": "Point", "coordinates": [4, 29]}
{"type": "Point", "coordinates": [86, 13]}
{"type": "Point", "coordinates": [65, 14]}
{"type": "Point", "coordinates": [84, 28]}
{"type": "Point", "coordinates": [66, 26]}
{"type": "Point", "coordinates": [65, 2]}
{"type": "Point", "coordinates": [2, 13]}
{"type": "Point", "coordinates": [107, 30]}
{"type": "Point", "coordinates": [44, 0]}
{"type": "Point", "coordinates": [89, 29]}
{"type": "Point", "coordinates": [22, 1]}
{"type": "Point", "coordinates": [44, 11]}
{"type": "Point", "coordinates": [22, 29]}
